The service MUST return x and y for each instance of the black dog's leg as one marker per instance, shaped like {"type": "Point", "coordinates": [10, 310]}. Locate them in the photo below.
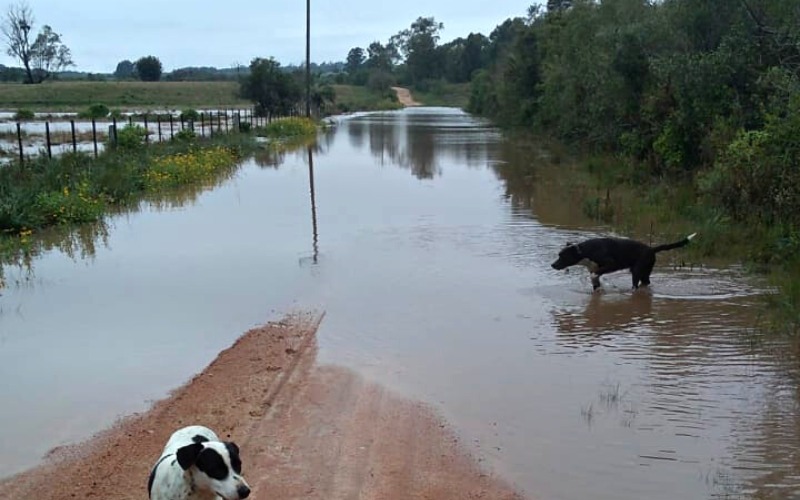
{"type": "Point", "coordinates": [641, 271]}
{"type": "Point", "coordinates": [599, 272]}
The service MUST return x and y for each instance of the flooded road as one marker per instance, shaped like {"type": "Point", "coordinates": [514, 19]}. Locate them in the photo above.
{"type": "Point", "coordinates": [427, 242]}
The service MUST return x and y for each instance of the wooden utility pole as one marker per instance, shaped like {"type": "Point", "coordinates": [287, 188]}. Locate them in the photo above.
{"type": "Point", "coordinates": [308, 58]}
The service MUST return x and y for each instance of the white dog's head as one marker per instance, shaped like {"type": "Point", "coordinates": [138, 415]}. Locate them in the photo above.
{"type": "Point", "coordinates": [214, 466]}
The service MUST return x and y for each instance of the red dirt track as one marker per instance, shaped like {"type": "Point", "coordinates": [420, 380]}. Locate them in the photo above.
{"type": "Point", "coordinates": [305, 431]}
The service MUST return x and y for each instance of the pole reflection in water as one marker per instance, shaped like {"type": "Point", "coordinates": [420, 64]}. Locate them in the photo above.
{"type": "Point", "coordinates": [315, 239]}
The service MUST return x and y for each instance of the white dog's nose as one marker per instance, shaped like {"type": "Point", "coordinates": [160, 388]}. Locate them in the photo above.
{"type": "Point", "coordinates": [243, 491]}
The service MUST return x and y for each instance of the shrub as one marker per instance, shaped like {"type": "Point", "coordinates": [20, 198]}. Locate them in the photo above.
{"type": "Point", "coordinates": [193, 166]}
{"type": "Point", "coordinates": [69, 206]}
{"type": "Point", "coordinates": [291, 127]}
{"type": "Point", "coordinates": [190, 115]}
{"type": "Point", "coordinates": [185, 135]}
{"type": "Point", "coordinates": [131, 137]}
{"type": "Point", "coordinates": [95, 111]}
{"type": "Point", "coordinates": [23, 114]}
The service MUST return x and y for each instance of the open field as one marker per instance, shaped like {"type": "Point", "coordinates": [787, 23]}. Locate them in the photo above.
{"type": "Point", "coordinates": [75, 96]}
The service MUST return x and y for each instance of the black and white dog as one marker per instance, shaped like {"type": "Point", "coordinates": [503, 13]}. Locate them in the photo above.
{"type": "Point", "coordinates": [196, 465]}
{"type": "Point", "coordinates": [606, 255]}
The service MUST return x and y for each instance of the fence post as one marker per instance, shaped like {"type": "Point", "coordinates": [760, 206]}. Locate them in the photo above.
{"type": "Point", "coordinates": [114, 130]}
{"type": "Point", "coordinates": [219, 122]}
{"type": "Point", "coordinates": [202, 124]}
{"type": "Point", "coordinates": [19, 140]}
{"type": "Point", "coordinates": [94, 136]}
{"type": "Point", "coordinates": [227, 125]}
{"type": "Point", "coordinates": [171, 133]}
{"type": "Point", "coordinates": [74, 142]}
{"type": "Point", "coordinates": [158, 119]}
{"type": "Point", "coordinates": [130, 120]}
{"type": "Point", "coordinates": [146, 131]}
{"type": "Point", "coordinates": [47, 138]}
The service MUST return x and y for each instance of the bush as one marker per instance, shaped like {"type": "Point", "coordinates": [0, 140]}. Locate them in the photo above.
{"type": "Point", "coordinates": [757, 175]}
{"type": "Point", "coordinates": [185, 135]}
{"type": "Point", "coordinates": [190, 115]}
{"type": "Point", "coordinates": [131, 137]}
{"type": "Point", "coordinates": [291, 127]}
{"type": "Point", "coordinates": [23, 114]}
{"type": "Point", "coordinates": [95, 111]}
{"type": "Point", "coordinates": [69, 206]}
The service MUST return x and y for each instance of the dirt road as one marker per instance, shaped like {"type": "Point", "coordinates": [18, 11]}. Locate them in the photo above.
{"type": "Point", "coordinates": [405, 97]}
{"type": "Point", "coordinates": [306, 431]}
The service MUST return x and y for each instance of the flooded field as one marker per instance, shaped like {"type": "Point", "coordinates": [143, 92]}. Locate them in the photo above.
{"type": "Point", "coordinates": [429, 252]}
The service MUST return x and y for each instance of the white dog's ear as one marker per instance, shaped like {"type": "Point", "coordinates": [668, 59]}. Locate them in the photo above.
{"type": "Point", "coordinates": [187, 455]}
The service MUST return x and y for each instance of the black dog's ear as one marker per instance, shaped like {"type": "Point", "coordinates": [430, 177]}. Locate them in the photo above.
{"type": "Point", "coordinates": [232, 448]}
{"type": "Point", "coordinates": [233, 451]}
{"type": "Point", "coordinates": [187, 455]}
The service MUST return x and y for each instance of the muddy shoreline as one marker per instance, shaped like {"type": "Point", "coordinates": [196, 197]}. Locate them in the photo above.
{"type": "Point", "coordinates": [306, 431]}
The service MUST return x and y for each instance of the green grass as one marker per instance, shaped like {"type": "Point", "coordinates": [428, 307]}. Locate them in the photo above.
{"type": "Point", "coordinates": [351, 98]}
{"type": "Point", "coordinates": [453, 95]}
{"type": "Point", "coordinates": [77, 96]}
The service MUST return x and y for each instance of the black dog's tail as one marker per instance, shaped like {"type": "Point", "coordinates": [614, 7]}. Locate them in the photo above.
{"type": "Point", "coordinates": [677, 244]}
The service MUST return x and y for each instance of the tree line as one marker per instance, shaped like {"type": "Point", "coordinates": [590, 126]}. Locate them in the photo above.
{"type": "Point", "coordinates": [705, 91]}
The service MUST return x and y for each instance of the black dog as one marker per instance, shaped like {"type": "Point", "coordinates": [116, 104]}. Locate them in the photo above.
{"type": "Point", "coordinates": [606, 255]}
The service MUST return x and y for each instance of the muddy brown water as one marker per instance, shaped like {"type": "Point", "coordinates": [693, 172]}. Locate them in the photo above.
{"type": "Point", "coordinates": [429, 252]}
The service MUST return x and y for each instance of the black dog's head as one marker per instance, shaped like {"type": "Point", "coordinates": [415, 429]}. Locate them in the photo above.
{"type": "Point", "coordinates": [568, 256]}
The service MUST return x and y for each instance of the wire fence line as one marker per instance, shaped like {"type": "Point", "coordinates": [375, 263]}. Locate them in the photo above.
{"type": "Point", "coordinates": [22, 140]}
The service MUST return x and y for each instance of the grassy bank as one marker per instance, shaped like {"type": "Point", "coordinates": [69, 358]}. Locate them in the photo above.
{"type": "Point", "coordinates": [439, 93]}
{"type": "Point", "coordinates": [614, 193]}
{"type": "Point", "coordinates": [350, 98]}
{"type": "Point", "coordinates": [76, 190]}
{"type": "Point", "coordinates": [77, 96]}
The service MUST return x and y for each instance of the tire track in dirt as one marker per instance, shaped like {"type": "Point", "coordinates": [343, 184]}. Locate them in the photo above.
{"type": "Point", "coordinates": [306, 431]}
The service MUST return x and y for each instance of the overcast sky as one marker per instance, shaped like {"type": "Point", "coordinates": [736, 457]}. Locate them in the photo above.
{"type": "Point", "coordinates": [220, 33]}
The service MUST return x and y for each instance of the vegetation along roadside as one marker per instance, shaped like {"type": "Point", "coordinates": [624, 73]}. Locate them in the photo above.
{"type": "Point", "coordinates": [688, 112]}
{"type": "Point", "coordinates": [76, 188]}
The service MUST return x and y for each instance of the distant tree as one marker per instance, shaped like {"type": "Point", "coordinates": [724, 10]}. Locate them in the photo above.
{"type": "Point", "coordinates": [355, 59]}
{"type": "Point", "coordinates": [554, 6]}
{"type": "Point", "coordinates": [41, 57]}
{"type": "Point", "coordinates": [419, 44]}
{"type": "Point", "coordinates": [149, 69]}
{"type": "Point", "coordinates": [380, 57]}
{"type": "Point", "coordinates": [270, 88]}
{"type": "Point", "coordinates": [125, 69]}
{"type": "Point", "coordinates": [463, 56]}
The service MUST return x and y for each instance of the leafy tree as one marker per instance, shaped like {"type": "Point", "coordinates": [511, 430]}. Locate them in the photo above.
{"type": "Point", "coordinates": [125, 69]}
{"type": "Point", "coordinates": [149, 69]}
{"type": "Point", "coordinates": [272, 90]}
{"type": "Point", "coordinates": [40, 57]}
{"type": "Point", "coordinates": [381, 57]}
{"type": "Point", "coordinates": [355, 59]}
{"type": "Point", "coordinates": [418, 44]}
